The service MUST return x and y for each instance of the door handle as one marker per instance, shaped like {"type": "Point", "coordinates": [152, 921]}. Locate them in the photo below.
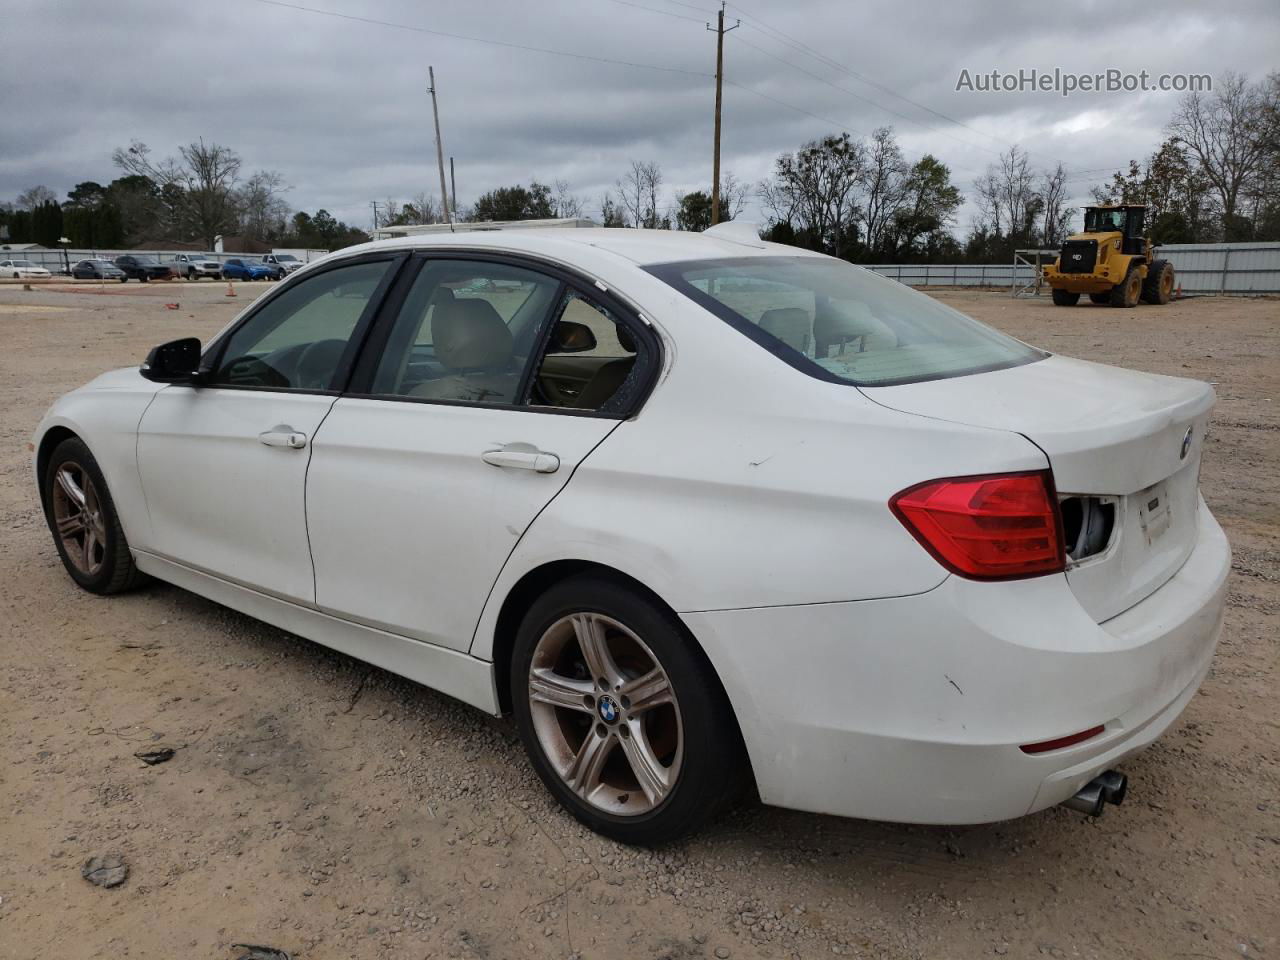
{"type": "Point", "coordinates": [522, 456]}
{"type": "Point", "coordinates": [283, 435]}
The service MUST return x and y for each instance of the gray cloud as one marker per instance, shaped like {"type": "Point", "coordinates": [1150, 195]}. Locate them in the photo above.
{"type": "Point", "coordinates": [341, 108]}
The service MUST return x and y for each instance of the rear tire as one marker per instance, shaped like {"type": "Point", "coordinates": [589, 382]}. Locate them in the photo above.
{"type": "Point", "coordinates": [1126, 293]}
{"type": "Point", "coordinates": [1065, 298]}
{"type": "Point", "coordinates": [1100, 298]}
{"type": "Point", "coordinates": [83, 521]}
{"type": "Point", "coordinates": [640, 771]}
{"type": "Point", "coordinates": [1158, 287]}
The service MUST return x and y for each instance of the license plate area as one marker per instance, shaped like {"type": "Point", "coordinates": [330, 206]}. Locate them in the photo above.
{"type": "Point", "coordinates": [1155, 512]}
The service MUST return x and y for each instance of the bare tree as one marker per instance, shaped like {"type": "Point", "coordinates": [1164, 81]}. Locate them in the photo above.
{"type": "Point", "coordinates": [734, 194]}
{"type": "Point", "coordinates": [33, 197]}
{"type": "Point", "coordinates": [638, 189]}
{"type": "Point", "coordinates": [263, 209]}
{"type": "Point", "coordinates": [208, 174]}
{"type": "Point", "coordinates": [564, 203]}
{"type": "Point", "coordinates": [421, 209]}
{"type": "Point", "coordinates": [1007, 198]}
{"type": "Point", "coordinates": [885, 185]}
{"type": "Point", "coordinates": [611, 212]}
{"type": "Point", "coordinates": [1227, 133]}
{"type": "Point", "coordinates": [1055, 214]}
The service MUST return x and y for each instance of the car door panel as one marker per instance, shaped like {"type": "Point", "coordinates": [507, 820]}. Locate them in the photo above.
{"type": "Point", "coordinates": [221, 499]}
{"type": "Point", "coordinates": [410, 526]}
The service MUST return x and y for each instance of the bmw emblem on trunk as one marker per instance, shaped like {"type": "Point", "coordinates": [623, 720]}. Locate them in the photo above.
{"type": "Point", "coordinates": [608, 709]}
{"type": "Point", "coordinates": [1186, 444]}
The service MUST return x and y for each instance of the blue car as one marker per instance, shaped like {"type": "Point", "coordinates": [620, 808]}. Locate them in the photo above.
{"type": "Point", "coordinates": [238, 269]}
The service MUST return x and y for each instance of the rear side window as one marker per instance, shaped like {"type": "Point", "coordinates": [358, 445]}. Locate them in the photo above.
{"type": "Point", "coordinates": [841, 323]}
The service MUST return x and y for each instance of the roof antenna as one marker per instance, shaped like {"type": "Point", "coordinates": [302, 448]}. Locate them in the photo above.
{"type": "Point", "coordinates": [435, 110]}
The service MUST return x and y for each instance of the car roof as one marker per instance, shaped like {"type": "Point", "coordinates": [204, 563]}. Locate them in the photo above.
{"type": "Point", "coordinates": [641, 247]}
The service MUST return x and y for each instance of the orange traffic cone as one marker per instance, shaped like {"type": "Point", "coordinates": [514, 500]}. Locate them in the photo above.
{"type": "Point", "coordinates": [1178, 295]}
{"type": "Point", "coordinates": [231, 291]}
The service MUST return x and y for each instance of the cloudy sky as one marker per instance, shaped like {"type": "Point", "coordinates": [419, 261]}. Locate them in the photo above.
{"type": "Point", "coordinates": [340, 105]}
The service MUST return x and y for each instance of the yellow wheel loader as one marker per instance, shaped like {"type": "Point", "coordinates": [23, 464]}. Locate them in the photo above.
{"type": "Point", "coordinates": [1111, 261]}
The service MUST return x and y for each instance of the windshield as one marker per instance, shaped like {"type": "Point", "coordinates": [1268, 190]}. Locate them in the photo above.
{"type": "Point", "coordinates": [285, 256]}
{"type": "Point", "coordinates": [23, 263]}
{"type": "Point", "coordinates": [839, 322]}
{"type": "Point", "coordinates": [1097, 220]}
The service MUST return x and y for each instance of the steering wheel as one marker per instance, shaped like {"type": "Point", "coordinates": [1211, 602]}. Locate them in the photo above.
{"type": "Point", "coordinates": [316, 364]}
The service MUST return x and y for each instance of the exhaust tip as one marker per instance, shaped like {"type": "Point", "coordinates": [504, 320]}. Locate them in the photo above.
{"type": "Point", "coordinates": [1088, 800]}
{"type": "Point", "coordinates": [1114, 786]}
{"type": "Point", "coordinates": [1107, 787]}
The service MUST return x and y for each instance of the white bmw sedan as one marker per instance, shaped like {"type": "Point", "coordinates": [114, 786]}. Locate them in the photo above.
{"type": "Point", "coordinates": [701, 512]}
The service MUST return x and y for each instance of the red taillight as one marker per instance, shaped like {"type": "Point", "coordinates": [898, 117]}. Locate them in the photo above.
{"type": "Point", "coordinates": [987, 528]}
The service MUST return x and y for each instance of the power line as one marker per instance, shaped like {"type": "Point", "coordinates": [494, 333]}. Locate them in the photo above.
{"type": "Point", "coordinates": [665, 13]}
{"type": "Point", "coordinates": [487, 40]}
{"type": "Point", "coordinates": [846, 90]}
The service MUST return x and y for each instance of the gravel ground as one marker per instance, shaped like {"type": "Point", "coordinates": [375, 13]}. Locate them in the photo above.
{"type": "Point", "coordinates": [335, 811]}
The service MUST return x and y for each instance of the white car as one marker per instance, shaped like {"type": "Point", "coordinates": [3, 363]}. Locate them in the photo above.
{"type": "Point", "coordinates": [193, 266]}
{"type": "Point", "coordinates": [700, 511]}
{"type": "Point", "coordinates": [22, 270]}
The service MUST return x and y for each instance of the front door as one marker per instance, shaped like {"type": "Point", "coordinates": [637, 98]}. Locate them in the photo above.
{"type": "Point", "coordinates": [224, 464]}
{"type": "Point", "coordinates": [463, 430]}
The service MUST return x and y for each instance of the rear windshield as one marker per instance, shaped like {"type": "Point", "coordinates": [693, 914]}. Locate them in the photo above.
{"type": "Point", "coordinates": [842, 323]}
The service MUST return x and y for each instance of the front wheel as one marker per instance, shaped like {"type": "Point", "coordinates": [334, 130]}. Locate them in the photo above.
{"type": "Point", "coordinates": [1126, 292]}
{"type": "Point", "coordinates": [82, 518]}
{"type": "Point", "coordinates": [622, 717]}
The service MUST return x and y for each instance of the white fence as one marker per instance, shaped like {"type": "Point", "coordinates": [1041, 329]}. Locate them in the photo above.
{"type": "Point", "coordinates": [1233, 269]}
{"type": "Point", "coordinates": [55, 262]}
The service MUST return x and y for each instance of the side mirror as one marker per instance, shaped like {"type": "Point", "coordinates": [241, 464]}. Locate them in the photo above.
{"type": "Point", "coordinates": [571, 337]}
{"type": "Point", "coordinates": [177, 361]}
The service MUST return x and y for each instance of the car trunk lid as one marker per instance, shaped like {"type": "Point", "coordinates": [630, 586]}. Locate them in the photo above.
{"type": "Point", "coordinates": [1124, 445]}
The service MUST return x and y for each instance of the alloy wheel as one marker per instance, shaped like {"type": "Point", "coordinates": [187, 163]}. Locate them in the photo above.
{"type": "Point", "coordinates": [605, 714]}
{"type": "Point", "coordinates": [77, 515]}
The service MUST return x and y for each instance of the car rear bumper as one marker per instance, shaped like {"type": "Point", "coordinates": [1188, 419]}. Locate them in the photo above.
{"type": "Point", "coordinates": [913, 709]}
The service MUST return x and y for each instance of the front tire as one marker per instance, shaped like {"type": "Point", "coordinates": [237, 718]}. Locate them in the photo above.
{"type": "Point", "coordinates": [1065, 298]}
{"type": "Point", "coordinates": [82, 518]}
{"type": "Point", "coordinates": [622, 717]}
{"type": "Point", "coordinates": [1126, 292]}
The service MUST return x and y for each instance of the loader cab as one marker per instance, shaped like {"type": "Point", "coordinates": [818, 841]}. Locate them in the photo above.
{"type": "Point", "coordinates": [1127, 220]}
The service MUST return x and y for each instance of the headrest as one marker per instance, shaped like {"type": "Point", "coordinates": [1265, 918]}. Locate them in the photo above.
{"type": "Point", "coordinates": [468, 334]}
{"type": "Point", "coordinates": [850, 319]}
{"type": "Point", "coordinates": [788, 324]}
{"type": "Point", "coordinates": [625, 340]}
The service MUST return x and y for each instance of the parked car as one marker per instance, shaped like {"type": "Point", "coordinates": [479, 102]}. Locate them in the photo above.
{"type": "Point", "coordinates": [144, 268]}
{"type": "Point", "coordinates": [241, 269]}
{"type": "Point", "coordinates": [695, 508]}
{"type": "Point", "coordinates": [193, 266]}
{"type": "Point", "coordinates": [95, 269]}
{"type": "Point", "coordinates": [23, 270]}
{"type": "Point", "coordinates": [287, 261]}
{"type": "Point", "coordinates": [278, 272]}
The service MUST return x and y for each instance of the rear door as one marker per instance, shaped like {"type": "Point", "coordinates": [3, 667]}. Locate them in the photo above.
{"type": "Point", "coordinates": [425, 477]}
{"type": "Point", "coordinates": [223, 464]}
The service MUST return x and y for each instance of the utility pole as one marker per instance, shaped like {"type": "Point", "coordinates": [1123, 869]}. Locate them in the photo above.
{"type": "Point", "coordinates": [375, 214]}
{"type": "Point", "coordinates": [435, 110]}
{"type": "Point", "coordinates": [720, 31]}
{"type": "Point", "coordinates": [453, 186]}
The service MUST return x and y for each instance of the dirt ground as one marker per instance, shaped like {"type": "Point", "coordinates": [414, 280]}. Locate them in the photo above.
{"type": "Point", "coordinates": [335, 811]}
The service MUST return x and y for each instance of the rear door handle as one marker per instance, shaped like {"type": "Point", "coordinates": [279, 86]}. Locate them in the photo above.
{"type": "Point", "coordinates": [521, 456]}
{"type": "Point", "coordinates": [283, 435]}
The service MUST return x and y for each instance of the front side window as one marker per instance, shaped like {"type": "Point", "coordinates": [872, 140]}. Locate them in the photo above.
{"type": "Point", "coordinates": [839, 322]}
{"type": "Point", "coordinates": [298, 339]}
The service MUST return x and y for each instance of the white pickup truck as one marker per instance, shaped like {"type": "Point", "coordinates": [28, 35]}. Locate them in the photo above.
{"type": "Point", "coordinates": [193, 266]}
{"type": "Point", "coordinates": [288, 261]}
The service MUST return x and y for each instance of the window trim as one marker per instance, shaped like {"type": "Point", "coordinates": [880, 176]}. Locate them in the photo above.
{"type": "Point", "coordinates": [588, 287]}
{"type": "Point", "coordinates": [672, 275]}
{"type": "Point", "coordinates": [213, 353]}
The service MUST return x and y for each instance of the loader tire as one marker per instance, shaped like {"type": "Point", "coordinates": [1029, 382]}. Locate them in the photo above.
{"type": "Point", "coordinates": [1158, 287]}
{"type": "Point", "coordinates": [1126, 292]}
{"type": "Point", "coordinates": [1100, 298]}
{"type": "Point", "coordinates": [1065, 298]}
